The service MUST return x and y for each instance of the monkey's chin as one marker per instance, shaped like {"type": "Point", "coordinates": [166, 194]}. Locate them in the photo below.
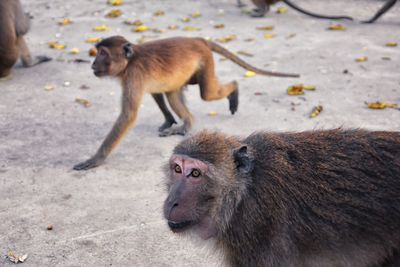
{"type": "Point", "coordinates": [99, 73]}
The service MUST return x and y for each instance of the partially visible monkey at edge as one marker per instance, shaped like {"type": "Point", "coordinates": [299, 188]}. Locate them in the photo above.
{"type": "Point", "coordinates": [263, 6]}
{"type": "Point", "coordinates": [14, 24]}
{"type": "Point", "coordinates": [312, 199]}
{"type": "Point", "coordinates": [162, 67]}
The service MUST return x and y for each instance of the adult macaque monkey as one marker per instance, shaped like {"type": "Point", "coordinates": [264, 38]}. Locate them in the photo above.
{"type": "Point", "coordinates": [158, 67]}
{"type": "Point", "coordinates": [263, 6]}
{"type": "Point", "coordinates": [14, 24]}
{"type": "Point", "coordinates": [320, 198]}
{"type": "Point", "coordinates": [388, 5]}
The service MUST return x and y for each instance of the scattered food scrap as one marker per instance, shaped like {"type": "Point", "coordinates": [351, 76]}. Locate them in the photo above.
{"type": "Point", "coordinates": [381, 105]}
{"type": "Point", "coordinates": [265, 28]}
{"type": "Point", "coordinates": [74, 51]}
{"type": "Point", "coordinates": [219, 26]}
{"type": "Point", "coordinates": [185, 19]}
{"type": "Point", "coordinates": [93, 40]}
{"type": "Point", "coordinates": [65, 21]}
{"type": "Point", "coordinates": [172, 27]}
{"type": "Point", "coordinates": [281, 10]}
{"type": "Point", "coordinates": [93, 52]}
{"type": "Point", "coordinates": [191, 29]}
{"type": "Point", "coordinates": [226, 39]}
{"type": "Point", "coordinates": [141, 28]}
{"type": "Point", "coordinates": [249, 74]}
{"type": "Point", "coordinates": [49, 87]}
{"type": "Point", "coordinates": [115, 13]}
{"type": "Point", "coordinates": [49, 227]}
{"type": "Point", "coordinates": [115, 2]}
{"type": "Point", "coordinates": [361, 59]}
{"type": "Point", "coordinates": [269, 36]}
{"type": "Point", "coordinates": [212, 113]}
{"type": "Point", "coordinates": [83, 102]}
{"type": "Point", "coordinates": [101, 28]}
{"type": "Point", "coordinates": [391, 44]}
{"type": "Point", "coordinates": [56, 45]}
{"type": "Point", "coordinates": [133, 22]}
{"type": "Point", "coordinates": [337, 27]}
{"type": "Point", "coordinates": [159, 13]}
{"type": "Point", "coordinates": [196, 14]}
{"type": "Point", "coordinates": [13, 257]}
{"type": "Point", "coordinates": [316, 111]}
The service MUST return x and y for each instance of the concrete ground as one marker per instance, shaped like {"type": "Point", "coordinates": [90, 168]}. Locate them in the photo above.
{"type": "Point", "coordinates": [112, 215]}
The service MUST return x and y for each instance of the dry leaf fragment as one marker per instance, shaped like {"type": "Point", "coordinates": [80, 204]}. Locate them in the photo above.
{"type": "Point", "coordinates": [385, 58]}
{"type": "Point", "coordinates": [49, 227]}
{"type": "Point", "coordinates": [316, 111]}
{"type": "Point", "coordinates": [159, 13]}
{"type": "Point", "coordinates": [337, 27]}
{"type": "Point", "coordinates": [101, 28]}
{"type": "Point", "coordinates": [84, 87]}
{"type": "Point", "coordinates": [249, 74]}
{"type": "Point", "coordinates": [65, 21]}
{"type": "Point", "coordinates": [115, 13]}
{"type": "Point", "coordinates": [56, 45]}
{"type": "Point", "coordinates": [13, 257]}
{"type": "Point", "coordinates": [134, 23]}
{"type": "Point", "coordinates": [219, 26]}
{"type": "Point", "coordinates": [115, 2]}
{"type": "Point", "coordinates": [249, 39]}
{"type": "Point", "coordinates": [226, 38]}
{"type": "Point", "coordinates": [309, 87]}
{"type": "Point", "coordinates": [185, 19]}
{"type": "Point", "coordinates": [191, 29]}
{"type": "Point", "coordinates": [269, 36]}
{"type": "Point", "coordinates": [295, 90]}
{"type": "Point", "coordinates": [281, 10]}
{"type": "Point", "coordinates": [381, 105]}
{"type": "Point", "coordinates": [83, 102]}
{"type": "Point", "coordinates": [93, 40]}
{"type": "Point", "coordinates": [74, 51]}
{"type": "Point", "coordinates": [361, 59]}
{"type": "Point", "coordinates": [159, 30]}
{"type": "Point", "coordinates": [258, 93]}
{"type": "Point", "coordinates": [391, 44]}
{"type": "Point", "coordinates": [244, 53]}
{"type": "Point", "coordinates": [141, 28]}
{"type": "Point", "coordinates": [93, 51]}
{"type": "Point", "coordinates": [49, 87]}
{"type": "Point", "coordinates": [212, 113]}
{"type": "Point", "coordinates": [265, 28]}
{"type": "Point", "coordinates": [195, 14]}
{"type": "Point", "coordinates": [172, 27]}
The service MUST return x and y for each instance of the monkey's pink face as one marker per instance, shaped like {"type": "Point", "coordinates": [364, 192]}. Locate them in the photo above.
{"type": "Point", "coordinates": [187, 205]}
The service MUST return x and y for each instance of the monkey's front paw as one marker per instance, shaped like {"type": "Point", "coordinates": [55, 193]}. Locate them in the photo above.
{"type": "Point", "coordinates": [86, 165]}
{"type": "Point", "coordinates": [181, 130]}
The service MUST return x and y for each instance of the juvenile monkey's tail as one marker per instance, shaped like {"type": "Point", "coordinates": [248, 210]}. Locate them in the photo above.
{"type": "Point", "coordinates": [226, 53]}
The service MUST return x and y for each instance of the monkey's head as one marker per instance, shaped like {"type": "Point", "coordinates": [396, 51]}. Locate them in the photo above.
{"type": "Point", "coordinates": [113, 55]}
{"type": "Point", "coordinates": [206, 180]}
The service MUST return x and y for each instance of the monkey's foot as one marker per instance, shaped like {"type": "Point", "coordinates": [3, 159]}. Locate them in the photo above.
{"type": "Point", "coordinates": [181, 130]}
{"type": "Point", "coordinates": [233, 101]}
{"type": "Point", "coordinates": [258, 13]}
{"type": "Point", "coordinates": [166, 125]}
{"type": "Point", "coordinates": [86, 165]}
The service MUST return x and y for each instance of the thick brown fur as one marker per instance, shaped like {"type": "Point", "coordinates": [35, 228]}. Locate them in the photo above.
{"type": "Point", "coordinates": [162, 67]}
{"type": "Point", "coordinates": [318, 198]}
{"type": "Point", "coordinates": [14, 24]}
{"type": "Point", "coordinates": [263, 6]}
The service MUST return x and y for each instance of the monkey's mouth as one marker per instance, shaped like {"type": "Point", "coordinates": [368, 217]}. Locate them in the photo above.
{"type": "Point", "coordinates": [98, 73]}
{"type": "Point", "coordinates": [179, 226]}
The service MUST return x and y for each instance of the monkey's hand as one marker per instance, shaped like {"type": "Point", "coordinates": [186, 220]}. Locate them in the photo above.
{"type": "Point", "coordinates": [90, 163]}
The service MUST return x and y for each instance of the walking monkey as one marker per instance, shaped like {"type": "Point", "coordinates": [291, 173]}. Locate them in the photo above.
{"type": "Point", "coordinates": [162, 67]}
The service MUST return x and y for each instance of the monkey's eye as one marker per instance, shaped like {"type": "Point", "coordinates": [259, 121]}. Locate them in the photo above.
{"type": "Point", "coordinates": [195, 173]}
{"type": "Point", "coordinates": [178, 169]}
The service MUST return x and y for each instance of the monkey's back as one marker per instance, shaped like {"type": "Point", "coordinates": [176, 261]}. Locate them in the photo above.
{"type": "Point", "coordinates": [330, 190]}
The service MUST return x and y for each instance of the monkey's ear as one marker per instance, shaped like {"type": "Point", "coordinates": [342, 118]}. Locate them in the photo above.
{"type": "Point", "coordinates": [243, 159]}
{"type": "Point", "coordinates": [128, 50]}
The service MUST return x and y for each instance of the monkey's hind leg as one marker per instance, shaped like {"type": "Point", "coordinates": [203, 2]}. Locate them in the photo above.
{"type": "Point", "coordinates": [25, 54]}
{"type": "Point", "coordinates": [210, 88]}
{"type": "Point", "coordinates": [388, 5]}
{"type": "Point", "coordinates": [175, 100]}
{"type": "Point", "coordinates": [169, 118]}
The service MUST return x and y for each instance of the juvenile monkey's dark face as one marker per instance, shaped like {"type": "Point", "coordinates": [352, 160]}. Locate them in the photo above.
{"type": "Point", "coordinates": [111, 61]}
{"type": "Point", "coordinates": [188, 203]}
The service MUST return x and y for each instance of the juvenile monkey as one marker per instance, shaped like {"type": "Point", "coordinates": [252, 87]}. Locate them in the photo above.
{"type": "Point", "coordinates": [162, 67]}
{"type": "Point", "coordinates": [14, 24]}
{"type": "Point", "coordinates": [262, 7]}
{"type": "Point", "coordinates": [319, 198]}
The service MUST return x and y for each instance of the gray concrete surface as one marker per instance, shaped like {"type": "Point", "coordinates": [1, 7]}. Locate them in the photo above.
{"type": "Point", "coordinates": [112, 215]}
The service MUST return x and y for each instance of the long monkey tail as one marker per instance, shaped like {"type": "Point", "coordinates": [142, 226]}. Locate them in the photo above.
{"type": "Point", "coordinates": [226, 53]}
{"type": "Point", "coordinates": [287, 2]}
